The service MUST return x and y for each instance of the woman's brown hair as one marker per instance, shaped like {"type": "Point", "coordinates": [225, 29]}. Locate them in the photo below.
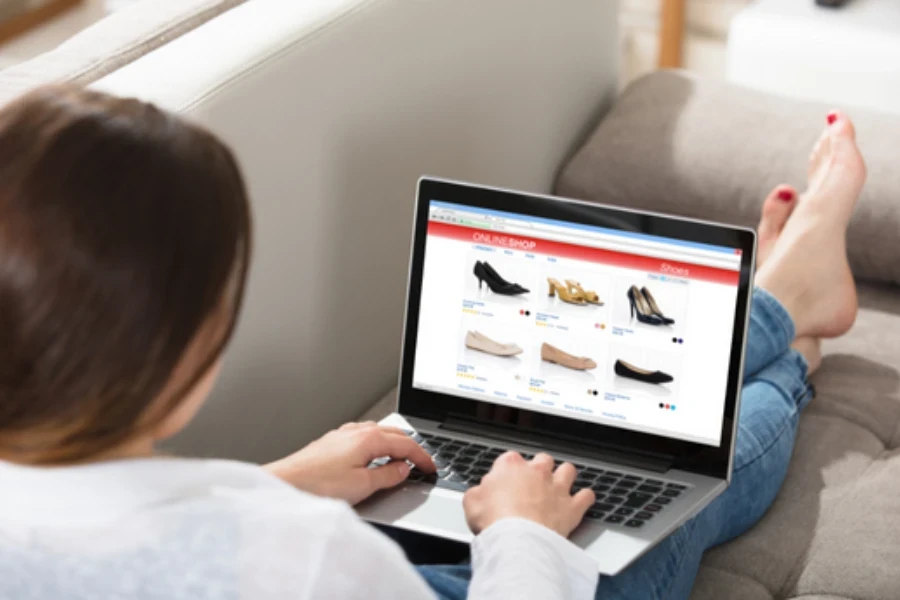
{"type": "Point", "coordinates": [124, 231]}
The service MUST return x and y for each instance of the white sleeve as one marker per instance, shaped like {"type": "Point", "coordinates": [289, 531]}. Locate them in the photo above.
{"type": "Point", "coordinates": [516, 558]}
{"type": "Point", "coordinates": [358, 562]}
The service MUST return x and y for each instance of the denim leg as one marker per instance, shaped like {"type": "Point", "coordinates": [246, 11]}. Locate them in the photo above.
{"type": "Point", "coordinates": [770, 333]}
{"type": "Point", "coordinates": [449, 582]}
{"type": "Point", "coordinates": [775, 390]}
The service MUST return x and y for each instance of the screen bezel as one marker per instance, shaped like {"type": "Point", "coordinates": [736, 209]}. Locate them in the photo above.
{"type": "Point", "coordinates": [714, 461]}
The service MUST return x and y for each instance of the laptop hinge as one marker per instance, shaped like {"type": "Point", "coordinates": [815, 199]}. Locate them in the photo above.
{"type": "Point", "coordinates": [658, 463]}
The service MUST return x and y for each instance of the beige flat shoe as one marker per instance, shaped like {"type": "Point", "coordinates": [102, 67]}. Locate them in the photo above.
{"type": "Point", "coordinates": [482, 343]}
{"type": "Point", "coordinates": [554, 355]}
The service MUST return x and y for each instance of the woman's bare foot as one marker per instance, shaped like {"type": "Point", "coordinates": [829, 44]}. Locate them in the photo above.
{"type": "Point", "coordinates": [807, 269]}
{"type": "Point", "coordinates": [777, 209]}
{"type": "Point", "coordinates": [811, 349]}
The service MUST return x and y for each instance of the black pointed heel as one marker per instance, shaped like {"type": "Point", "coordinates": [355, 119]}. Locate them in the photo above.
{"type": "Point", "coordinates": [651, 301]}
{"type": "Point", "coordinates": [641, 309]}
{"type": "Point", "coordinates": [623, 369]}
{"type": "Point", "coordinates": [492, 271]}
{"type": "Point", "coordinates": [496, 286]}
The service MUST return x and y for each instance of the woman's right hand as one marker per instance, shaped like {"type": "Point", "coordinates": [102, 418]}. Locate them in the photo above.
{"type": "Point", "coordinates": [529, 490]}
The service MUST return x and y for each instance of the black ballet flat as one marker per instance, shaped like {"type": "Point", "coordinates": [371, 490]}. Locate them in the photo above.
{"type": "Point", "coordinates": [623, 369]}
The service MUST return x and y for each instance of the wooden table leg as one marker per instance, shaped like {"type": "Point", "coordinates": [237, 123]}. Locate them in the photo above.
{"type": "Point", "coordinates": [35, 17]}
{"type": "Point", "coordinates": [671, 33]}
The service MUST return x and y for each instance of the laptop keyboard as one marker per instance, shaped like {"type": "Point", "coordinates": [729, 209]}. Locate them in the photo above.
{"type": "Point", "coordinates": [622, 498]}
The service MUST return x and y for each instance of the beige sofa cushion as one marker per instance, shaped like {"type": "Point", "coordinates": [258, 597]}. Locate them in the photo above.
{"type": "Point", "coordinates": [712, 150]}
{"type": "Point", "coordinates": [111, 43]}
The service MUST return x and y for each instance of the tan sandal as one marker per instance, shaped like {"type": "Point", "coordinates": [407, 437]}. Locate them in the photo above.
{"type": "Point", "coordinates": [552, 354]}
{"type": "Point", "coordinates": [589, 296]}
{"type": "Point", "coordinates": [565, 294]}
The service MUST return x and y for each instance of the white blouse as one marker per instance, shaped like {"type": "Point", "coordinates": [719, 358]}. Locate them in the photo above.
{"type": "Point", "coordinates": [180, 529]}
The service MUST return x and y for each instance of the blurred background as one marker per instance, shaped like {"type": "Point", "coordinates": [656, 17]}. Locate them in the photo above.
{"type": "Point", "coordinates": [846, 53]}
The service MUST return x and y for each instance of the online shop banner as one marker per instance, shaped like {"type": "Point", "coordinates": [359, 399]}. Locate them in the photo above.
{"type": "Point", "coordinates": [626, 260]}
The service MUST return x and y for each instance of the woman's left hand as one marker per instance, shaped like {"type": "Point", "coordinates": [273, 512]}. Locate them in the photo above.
{"type": "Point", "coordinates": [337, 464]}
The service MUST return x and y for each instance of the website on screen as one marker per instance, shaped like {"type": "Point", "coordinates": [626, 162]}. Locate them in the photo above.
{"type": "Point", "coordinates": [595, 324]}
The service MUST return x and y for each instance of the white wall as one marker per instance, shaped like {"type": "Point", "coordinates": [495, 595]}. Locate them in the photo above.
{"type": "Point", "coordinates": [706, 31]}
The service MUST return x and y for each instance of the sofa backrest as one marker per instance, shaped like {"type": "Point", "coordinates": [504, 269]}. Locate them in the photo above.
{"type": "Point", "coordinates": [335, 108]}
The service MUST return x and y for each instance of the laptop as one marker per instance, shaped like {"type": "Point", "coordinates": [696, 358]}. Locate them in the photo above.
{"type": "Point", "coordinates": [609, 338]}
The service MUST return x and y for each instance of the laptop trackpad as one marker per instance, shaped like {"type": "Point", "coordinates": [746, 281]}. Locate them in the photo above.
{"type": "Point", "coordinates": [419, 507]}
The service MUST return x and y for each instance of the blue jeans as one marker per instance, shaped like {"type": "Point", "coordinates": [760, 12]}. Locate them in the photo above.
{"type": "Point", "coordinates": [775, 391]}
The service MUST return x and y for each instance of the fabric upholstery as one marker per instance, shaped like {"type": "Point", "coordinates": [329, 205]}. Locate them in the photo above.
{"type": "Point", "coordinates": [111, 43]}
{"type": "Point", "coordinates": [711, 150]}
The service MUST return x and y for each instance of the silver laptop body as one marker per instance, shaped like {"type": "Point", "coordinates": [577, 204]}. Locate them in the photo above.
{"type": "Point", "coordinates": [650, 427]}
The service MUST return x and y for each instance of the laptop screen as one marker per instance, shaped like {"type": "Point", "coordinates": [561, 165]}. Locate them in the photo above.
{"type": "Point", "coordinates": [606, 326]}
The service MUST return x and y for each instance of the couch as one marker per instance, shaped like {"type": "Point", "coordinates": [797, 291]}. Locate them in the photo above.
{"type": "Point", "coordinates": [336, 107]}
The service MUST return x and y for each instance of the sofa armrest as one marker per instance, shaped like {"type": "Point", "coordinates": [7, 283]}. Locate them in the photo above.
{"type": "Point", "coordinates": [111, 43]}
{"type": "Point", "coordinates": [335, 108]}
{"type": "Point", "coordinates": [712, 150]}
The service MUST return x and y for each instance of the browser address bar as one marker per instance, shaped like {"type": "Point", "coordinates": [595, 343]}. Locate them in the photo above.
{"type": "Point", "coordinates": [645, 248]}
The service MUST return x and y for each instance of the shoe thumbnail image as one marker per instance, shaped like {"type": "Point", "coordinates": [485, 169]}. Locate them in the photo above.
{"type": "Point", "coordinates": [572, 293]}
{"type": "Point", "coordinates": [552, 354]}
{"type": "Point", "coordinates": [644, 306]}
{"type": "Point", "coordinates": [589, 296]}
{"type": "Point", "coordinates": [655, 307]}
{"type": "Point", "coordinates": [629, 371]}
{"type": "Point", "coordinates": [482, 343]}
{"type": "Point", "coordinates": [487, 274]}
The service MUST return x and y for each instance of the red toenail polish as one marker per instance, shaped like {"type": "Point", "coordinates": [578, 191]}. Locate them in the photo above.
{"type": "Point", "coordinates": [832, 117]}
{"type": "Point", "coordinates": [786, 195]}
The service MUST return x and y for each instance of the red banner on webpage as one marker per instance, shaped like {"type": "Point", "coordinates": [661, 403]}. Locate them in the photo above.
{"type": "Point", "coordinates": [624, 260]}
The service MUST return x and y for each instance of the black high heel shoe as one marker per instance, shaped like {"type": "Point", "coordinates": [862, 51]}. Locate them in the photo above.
{"type": "Point", "coordinates": [641, 308]}
{"type": "Point", "coordinates": [496, 275]}
{"type": "Point", "coordinates": [496, 285]}
{"type": "Point", "coordinates": [623, 369]}
{"type": "Point", "coordinates": [655, 307]}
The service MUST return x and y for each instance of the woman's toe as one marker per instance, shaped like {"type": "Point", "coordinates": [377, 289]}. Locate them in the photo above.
{"type": "Point", "coordinates": [776, 211]}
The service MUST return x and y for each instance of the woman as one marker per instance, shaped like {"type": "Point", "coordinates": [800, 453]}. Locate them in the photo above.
{"type": "Point", "coordinates": [124, 248]}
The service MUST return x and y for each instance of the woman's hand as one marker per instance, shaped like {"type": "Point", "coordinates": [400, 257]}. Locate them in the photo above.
{"type": "Point", "coordinates": [529, 490]}
{"type": "Point", "coordinates": [336, 465]}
